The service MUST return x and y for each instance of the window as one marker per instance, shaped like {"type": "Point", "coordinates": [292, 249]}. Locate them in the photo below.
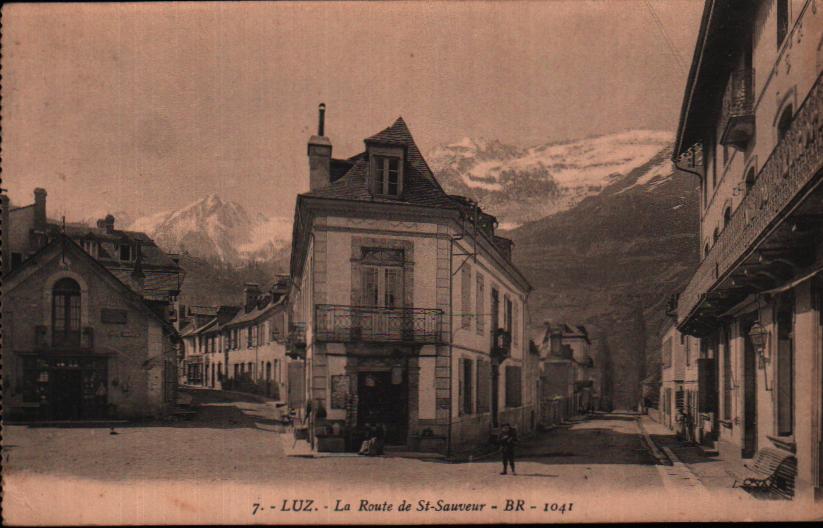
{"type": "Point", "coordinates": [727, 216]}
{"type": "Point", "coordinates": [483, 386]}
{"type": "Point", "coordinates": [479, 305]}
{"type": "Point", "coordinates": [90, 246]}
{"type": "Point", "coordinates": [465, 382]}
{"type": "Point", "coordinates": [125, 252]}
{"type": "Point", "coordinates": [513, 392]}
{"type": "Point", "coordinates": [66, 313]}
{"type": "Point", "coordinates": [387, 175]}
{"type": "Point", "coordinates": [785, 366]}
{"type": "Point", "coordinates": [236, 370]}
{"type": "Point", "coordinates": [715, 235]}
{"type": "Point", "coordinates": [16, 260]}
{"type": "Point", "coordinates": [667, 353]}
{"type": "Point", "coordinates": [507, 313]}
{"type": "Point", "coordinates": [784, 123]}
{"type": "Point", "coordinates": [465, 296]}
{"type": "Point", "coordinates": [515, 324]}
{"type": "Point", "coordinates": [382, 277]}
{"type": "Point", "coordinates": [706, 250]}
{"type": "Point", "coordinates": [750, 179]}
{"type": "Point", "coordinates": [268, 370]}
{"type": "Point", "coordinates": [782, 21]}
{"type": "Point", "coordinates": [249, 333]}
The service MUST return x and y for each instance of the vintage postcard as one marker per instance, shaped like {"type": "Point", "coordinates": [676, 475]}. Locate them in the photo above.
{"type": "Point", "coordinates": [412, 262]}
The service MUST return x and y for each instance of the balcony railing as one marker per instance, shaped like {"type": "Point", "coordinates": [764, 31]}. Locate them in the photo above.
{"type": "Point", "coordinates": [338, 323]}
{"type": "Point", "coordinates": [78, 339]}
{"type": "Point", "coordinates": [794, 162]}
{"type": "Point", "coordinates": [737, 116]}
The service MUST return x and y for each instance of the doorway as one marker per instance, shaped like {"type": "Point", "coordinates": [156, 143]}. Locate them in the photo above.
{"type": "Point", "coordinates": [749, 388]}
{"type": "Point", "coordinates": [382, 399]}
{"type": "Point", "coordinates": [67, 394]}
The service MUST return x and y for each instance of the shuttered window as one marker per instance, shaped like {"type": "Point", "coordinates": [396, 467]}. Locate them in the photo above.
{"type": "Point", "coordinates": [465, 296]}
{"type": "Point", "coordinates": [480, 305]}
{"type": "Point", "coordinates": [483, 386]}
{"type": "Point", "coordinates": [513, 387]}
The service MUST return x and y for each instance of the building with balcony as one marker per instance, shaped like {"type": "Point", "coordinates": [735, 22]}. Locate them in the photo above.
{"type": "Point", "coordinates": [750, 131]}
{"type": "Point", "coordinates": [79, 344]}
{"type": "Point", "coordinates": [407, 311]}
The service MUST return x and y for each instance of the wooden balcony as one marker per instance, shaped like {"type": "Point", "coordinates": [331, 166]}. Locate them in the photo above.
{"type": "Point", "coordinates": [770, 236]}
{"type": "Point", "coordinates": [737, 112]}
{"type": "Point", "coordinates": [340, 323]}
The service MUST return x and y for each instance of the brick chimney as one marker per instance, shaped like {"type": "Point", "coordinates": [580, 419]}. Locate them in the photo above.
{"type": "Point", "coordinates": [39, 209]}
{"type": "Point", "coordinates": [251, 291]}
{"type": "Point", "coordinates": [320, 154]}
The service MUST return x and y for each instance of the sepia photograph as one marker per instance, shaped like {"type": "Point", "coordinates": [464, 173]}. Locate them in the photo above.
{"type": "Point", "coordinates": [414, 262]}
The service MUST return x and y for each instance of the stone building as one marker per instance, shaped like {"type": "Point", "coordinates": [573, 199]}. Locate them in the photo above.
{"type": "Point", "coordinates": [78, 343]}
{"type": "Point", "coordinates": [679, 389]}
{"type": "Point", "coordinates": [406, 307]}
{"type": "Point", "coordinates": [750, 132]}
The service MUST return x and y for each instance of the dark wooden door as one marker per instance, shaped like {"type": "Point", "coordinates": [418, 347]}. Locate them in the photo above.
{"type": "Point", "coordinates": [749, 389]}
{"type": "Point", "coordinates": [381, 400]}
{"type": "Point", "coordinates": [67, 394]}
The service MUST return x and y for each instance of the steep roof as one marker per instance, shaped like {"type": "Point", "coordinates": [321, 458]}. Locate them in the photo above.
{"type": "Point", "coordinates": [419, 184]}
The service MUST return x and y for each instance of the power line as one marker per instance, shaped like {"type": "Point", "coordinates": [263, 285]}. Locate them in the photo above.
{"type": "Point", "coordinates": [680, 63]}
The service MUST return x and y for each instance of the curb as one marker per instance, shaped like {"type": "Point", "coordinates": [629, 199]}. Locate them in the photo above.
{"type": "Point", "coordinates": [662, 457]}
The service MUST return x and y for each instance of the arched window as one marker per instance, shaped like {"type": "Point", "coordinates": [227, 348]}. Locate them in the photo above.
{"type": "Point", "coordinates": [66, 313]}
{"type": "Point", "coordinates": [750, 178]}
{"type": "Point", "coordinates": [727, 216]}
{"type": "Point", "coordinates": [268, 371]}
{"type": "Point", "coordinates": [784, 123]}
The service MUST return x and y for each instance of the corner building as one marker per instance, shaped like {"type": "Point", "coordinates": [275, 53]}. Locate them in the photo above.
{"type": "Point", "coordinates": [406, 308]}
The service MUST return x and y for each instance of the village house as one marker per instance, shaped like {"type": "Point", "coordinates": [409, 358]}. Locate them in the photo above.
{"type": "Point", "coordinates": [406, 308]}
{"type": "Point", "coordinates": [750, 131]}
{"type": "Point", "coordinates": [240, 347]}
{"type": "Point", "coordinates": [679, 393]}
{"type": "Point", "coordinates": [569, 382]}
{"type": "Point", "coordinates": [85, 335]}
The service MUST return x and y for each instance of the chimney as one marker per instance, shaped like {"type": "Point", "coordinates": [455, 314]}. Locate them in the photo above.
{"type": "Point", "coordinates": [250, 293]}
{"type": "Point", "coordinates": [39, 209]}
{"type": "Point", "coordinates": [320, 154]}
{"type": "Point", "coordinates": [108, 223]}
{"type": "Point", "coordinates": [137, 275]}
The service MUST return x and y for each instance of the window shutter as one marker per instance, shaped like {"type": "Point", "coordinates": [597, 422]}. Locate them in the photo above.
{"type": "Point", "coordinates": [480, 305]}
{"type": "Point", "coordinates": [460, 385]}
{"type": "Point", "coordinates": [465, 294]}
{"type": "Point", "coordinates": [483, 386]}
{"type": "Point", "coordinates": [369, 286]}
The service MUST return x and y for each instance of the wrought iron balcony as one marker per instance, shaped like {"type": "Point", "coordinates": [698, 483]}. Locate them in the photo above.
{"type": "Point", "coordinates": [790, 171]}
{"type": "Point", "coordinates": [339, 323]}
{"type": "Point", "coordinates": [82, 339]}
{"type": "Point", "coordinates": [737, 113]}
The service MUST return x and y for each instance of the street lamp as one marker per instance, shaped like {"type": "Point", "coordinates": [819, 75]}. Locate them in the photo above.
{"type": "Point", "coordinates": [760, 337]}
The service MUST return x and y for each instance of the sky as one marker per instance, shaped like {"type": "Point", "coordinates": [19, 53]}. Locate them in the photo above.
{"type": "Point", "coordinates": [148, 107]}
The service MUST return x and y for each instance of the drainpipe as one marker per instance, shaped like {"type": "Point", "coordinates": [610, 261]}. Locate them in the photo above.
{"type": "Point", "coordinates": [451, 340]}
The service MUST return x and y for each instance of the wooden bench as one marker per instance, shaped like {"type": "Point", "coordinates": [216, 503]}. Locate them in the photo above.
{"type": "Point", "coordinates": [772, 472]}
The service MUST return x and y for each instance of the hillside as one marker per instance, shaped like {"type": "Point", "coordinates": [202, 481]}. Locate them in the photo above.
{"type": "Point", "coordinates": [610, 263]}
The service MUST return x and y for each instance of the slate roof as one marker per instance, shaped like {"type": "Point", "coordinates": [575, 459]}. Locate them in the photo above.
{"type": "Point", "coordinates": [419, 185]}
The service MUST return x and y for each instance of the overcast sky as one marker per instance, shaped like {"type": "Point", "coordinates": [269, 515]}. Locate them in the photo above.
{"type": "Point", "coordinates": [149, 107]}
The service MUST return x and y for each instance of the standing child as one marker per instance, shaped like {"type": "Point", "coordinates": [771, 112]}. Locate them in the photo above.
{"type": "Point", "coordinates": [508, 438]}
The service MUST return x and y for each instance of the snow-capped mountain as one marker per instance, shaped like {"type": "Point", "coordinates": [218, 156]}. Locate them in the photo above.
{"type": "Point", "coordinates": [215, 229]}
{"type": "Point", "coordinates": [519, 184]}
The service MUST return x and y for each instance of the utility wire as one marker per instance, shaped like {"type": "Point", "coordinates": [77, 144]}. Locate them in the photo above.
{"type": "Point", "coordinates": [680, 63]}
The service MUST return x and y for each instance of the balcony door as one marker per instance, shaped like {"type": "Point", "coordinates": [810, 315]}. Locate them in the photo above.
{"type": "Point", "coordinates": [66, 313]}
{"type": "Point", "coordinates": [382, 279]}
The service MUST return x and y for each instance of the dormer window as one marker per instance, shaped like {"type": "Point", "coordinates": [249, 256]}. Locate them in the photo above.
{"type": "Point", "coordinates": [125, 253]}
{"type": "Point", "coordinates": [387, 172]}
{"type": "Point", "coordinates": [386, 175]}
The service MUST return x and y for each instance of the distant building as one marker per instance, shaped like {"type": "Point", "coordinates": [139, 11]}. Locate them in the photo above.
{"type": "Point", "coordinates": [570, 383]}
{"type": "Point", "coordinates": [407, 309]}
{"type": "Point", "coordinates": [750, 132]}
{"type": "Point", "coordinates": [79, 343]}
{"type": "Point", "coordinates": [679, 391]}
{"type": "Point", "coordinates": [240, 347]}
